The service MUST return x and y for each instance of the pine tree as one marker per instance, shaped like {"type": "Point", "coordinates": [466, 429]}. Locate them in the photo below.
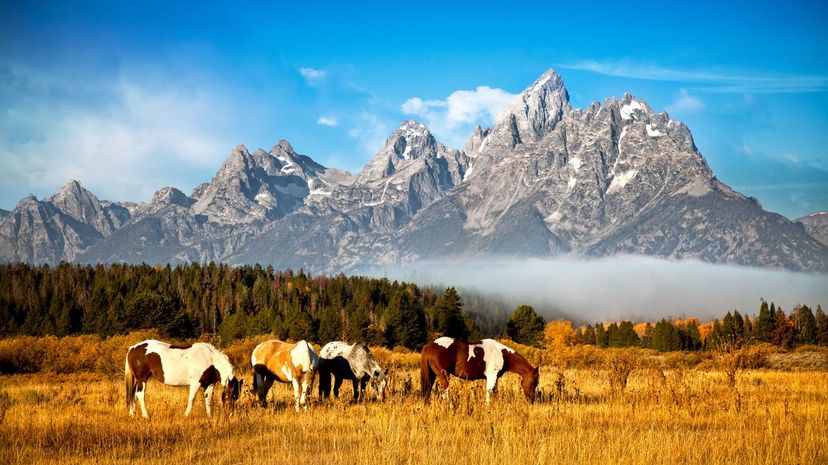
{"type": "Point", "coordinates": [451, 321]}
{"type": "Point", "coordinates": [693, 336]}
{"type": "Point", "coordinates": [822, 326]}
{"type": "Point", "coordinates": [763, 326]}
{"type": "Point", "coordinates": [601, 339]}
{"type": "Point", "coordinates": [589, 335]}
{"type": "Point", "coordinates": [525, 326]}
{"type": "Point", "coordinates": [405, 321]}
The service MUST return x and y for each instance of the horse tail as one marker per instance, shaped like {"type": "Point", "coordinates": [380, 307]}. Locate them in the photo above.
{"type": "Point", "coordinates": [427, 377]}
{"type": "Point", "coordinates": [129, 383]}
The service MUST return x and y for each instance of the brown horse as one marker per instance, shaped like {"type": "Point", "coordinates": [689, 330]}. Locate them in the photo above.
{"type": "Point", "coordinates": [287, 363]}
{"type": "Point", "coordinates": [487, 359]}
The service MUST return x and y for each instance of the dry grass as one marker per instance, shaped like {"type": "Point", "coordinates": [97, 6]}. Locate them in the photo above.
{"type": "Point", "coordinates": [662, 417]}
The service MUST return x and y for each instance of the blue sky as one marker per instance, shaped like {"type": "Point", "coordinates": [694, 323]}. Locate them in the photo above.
{"type": "Point", "coordinates": [130, 98]}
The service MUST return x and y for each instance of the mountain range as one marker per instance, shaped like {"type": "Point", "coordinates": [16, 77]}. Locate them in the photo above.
{"type": "Point", "coordinates": [545, 180]}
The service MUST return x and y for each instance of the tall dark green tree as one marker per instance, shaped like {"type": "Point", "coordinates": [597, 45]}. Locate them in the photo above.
{"type": "Point", "coordinates": [763, 326]}
{"type": "Point", "coordinates": [449, 318]}
{"type": "Point", "coordinates": [601, 339]}
{"type": "Point", "coordinates": [525, 325]}
{"type": "Point", "coordinates": [822, 326]}
{"type": "Point", "coordinates": [405, 321]}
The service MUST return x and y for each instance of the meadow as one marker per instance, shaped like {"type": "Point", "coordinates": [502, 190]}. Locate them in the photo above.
{"type": "Point", "coordinates": [633, 408]}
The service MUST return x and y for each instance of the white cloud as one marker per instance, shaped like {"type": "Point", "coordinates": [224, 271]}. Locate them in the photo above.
{"type": "Point", "coordinates": [711, 80]}
{"type": "Point", "coordinates": [685, 103]}
{"type": "Point", "coordinates": [792, 158]}
{"type": "Point", "coordinates": [370, 132]}
{"type": "Point", "coordinates": [311, 75]}
{"type": "Point", "coordinates": [140, 139]}
{"type": "Point", "coordinates": [452, 119]}
{"type": "Point", "coordinates": [329, 121]}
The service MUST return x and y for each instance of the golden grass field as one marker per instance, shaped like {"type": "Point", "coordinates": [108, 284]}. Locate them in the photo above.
{"type": "Point", "coordinates": [663, 417]}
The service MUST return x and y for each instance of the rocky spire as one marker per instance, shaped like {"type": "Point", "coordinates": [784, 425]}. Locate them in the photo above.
{"type": "Point", "coordinates": [533, 113]}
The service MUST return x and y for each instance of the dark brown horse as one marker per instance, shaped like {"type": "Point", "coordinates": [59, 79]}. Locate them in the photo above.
{"type": "Point", "coordinates": [487, 359]}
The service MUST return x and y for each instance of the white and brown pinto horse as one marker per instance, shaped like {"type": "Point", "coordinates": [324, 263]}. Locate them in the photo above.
{"type": "Point", "coordinates": [287, 363]}
{"type": "Point", "coordinates": [199, 366]}
{"type": "Point", "coordinates": [487, 359]}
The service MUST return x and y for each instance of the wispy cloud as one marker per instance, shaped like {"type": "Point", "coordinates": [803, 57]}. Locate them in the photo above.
{"type": "Point", "coordinates": [452, 119]}
{"type": "Point", "coordinates": [329, 121]}
{"type": "Point", "coordinates": [685, 103]}
{"type": "Point", "coordinates": [709, 80]}
{"type": "Point", "coordinates": [370, 131]}
{"type": "Point", "coordinates": [140, 137]}
{"type": "Point", "coordinates": [311, 75]}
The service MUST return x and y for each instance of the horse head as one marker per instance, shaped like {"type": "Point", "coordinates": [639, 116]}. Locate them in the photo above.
{"type": "Point", "coordinates": [529, 383]}
{"type": "Point", "coordinates": [378, 381]}
{"type": "Point", "coordinates": [231, 392]}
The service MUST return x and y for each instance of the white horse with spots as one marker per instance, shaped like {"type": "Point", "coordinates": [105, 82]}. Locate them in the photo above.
{"type": "Point", "coordinates": [199, 366]}
{"type": "Point", "coordinates": [487, 359]}
{"type": "Point", "coordinates": [287, 363]}
{"type": "Point", "coordinates": [354, 362]}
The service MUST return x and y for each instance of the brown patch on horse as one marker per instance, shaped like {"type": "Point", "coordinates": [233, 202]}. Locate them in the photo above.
{"type": "Point", "coordinates": [180, 346]}
{"type": "Point", "coordinates": [144, 365]}
{"type": "Point", "coordinates": [209, 377]}
{"type": "Point", "coordinates": [271, 356]}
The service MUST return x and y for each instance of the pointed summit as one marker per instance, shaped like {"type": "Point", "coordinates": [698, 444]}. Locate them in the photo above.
{"type": "Point", "coordinates": [534, 112]}
{"type": "Point", "coordinates": [411, 141]}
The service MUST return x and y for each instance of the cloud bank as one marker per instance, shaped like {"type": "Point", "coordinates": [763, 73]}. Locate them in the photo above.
{"type": "Point", "coordinates": [622, 287]}
{"type": "Point", "coordinates": [453, 119]}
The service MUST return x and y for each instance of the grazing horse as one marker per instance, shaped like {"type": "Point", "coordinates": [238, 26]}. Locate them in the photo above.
{"type": "Point", "coordinates": [287, 363]}
{"type": "Point", "coordinates": [487, 359]}
{"type": "Point", "coordinates": [199, 366]}
{"type": "Point", "coordinates": [354, 362]}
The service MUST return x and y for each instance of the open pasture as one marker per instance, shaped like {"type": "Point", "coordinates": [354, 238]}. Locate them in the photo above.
{"type": "Point", "coordinates": [662, 417]}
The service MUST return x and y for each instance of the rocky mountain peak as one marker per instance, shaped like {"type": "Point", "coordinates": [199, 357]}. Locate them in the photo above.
{"type": "Point", "coordinates": [411, 141]}
{"type": "Point", "coordinates": [77, 202]}
{"type": "Point", "coordinates": [171, 196]}
{"type": "Point", "coordinates": [533, 113]}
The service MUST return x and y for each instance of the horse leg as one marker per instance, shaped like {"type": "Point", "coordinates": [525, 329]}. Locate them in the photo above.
{"type": "Point", "coordinates": [208, 399]}
{"type": "Point", "coordinates": [362, 385]}
{"type": "Point", "coordinates": [355, 384]}
{"type": "Point", "coordinates": [142, 389]}
{"type": "Point", "coordinates": [193, 391]}
{"type": "Point", "coordinates": [443, 383]}
{"type": "Point", "coordinates": [296, 394]}
{"type": "Point", "coordinates": [337, 384]}
{"type": "Point", "coordinates": [303, 399]}
{"type": "Point", "coordinates": [131, 401]}
{"type": "Point", "coordinates": [491, 386]}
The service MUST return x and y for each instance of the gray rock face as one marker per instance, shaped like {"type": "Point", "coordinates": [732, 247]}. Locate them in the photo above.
{"type": "Point", "coordinates": [546, 179]}
{"type": "Point", "coordinates": [817, 225]}
{"type": "Point", "coordinates": [263, 186]}
{"type": "Point", "coordinates": [58, 228]}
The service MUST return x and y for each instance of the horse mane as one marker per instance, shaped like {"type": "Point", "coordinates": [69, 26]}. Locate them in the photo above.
{"type": "Point", "coordinates": [222, 363]}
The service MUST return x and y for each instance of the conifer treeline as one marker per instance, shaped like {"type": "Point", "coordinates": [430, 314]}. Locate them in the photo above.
{"type": "Point", "coordinates": [192, 300]}
{"type": "Point", "coordinates": [771, 325]}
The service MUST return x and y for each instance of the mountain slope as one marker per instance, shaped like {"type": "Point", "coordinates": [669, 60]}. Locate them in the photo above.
{"type": "Point", "coordinates": [546, 179]}
{"type": "Point", "coordinates": [817, 225]}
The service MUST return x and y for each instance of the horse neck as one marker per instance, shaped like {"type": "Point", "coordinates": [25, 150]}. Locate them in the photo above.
{"type": "Point", "coordinates": [223, 365]}
{"type": "Point", "coordinates": [518, 364]}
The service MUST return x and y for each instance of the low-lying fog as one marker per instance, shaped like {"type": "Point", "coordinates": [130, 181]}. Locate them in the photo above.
{"type": "Point", "coordinates": [621, 287]}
